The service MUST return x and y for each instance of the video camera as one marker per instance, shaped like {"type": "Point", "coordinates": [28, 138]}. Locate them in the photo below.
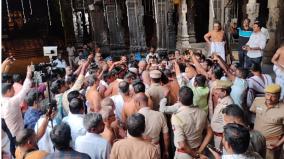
{"type": "Point", "coordinates": [42, 72]}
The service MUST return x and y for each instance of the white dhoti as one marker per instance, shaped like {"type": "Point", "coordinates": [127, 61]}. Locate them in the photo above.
{"type": "Point", "coordinates": [279, 79]}
{"type": "Point", "coordinates": [219, 48]}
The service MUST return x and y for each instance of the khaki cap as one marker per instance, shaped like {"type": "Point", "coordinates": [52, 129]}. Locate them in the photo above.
{"type": "Point", "coordinates": [155, 74]}
{"type": "Point", "coordinates": [273, 88]}
{"type": "Point", "coordinates": [223, 84]}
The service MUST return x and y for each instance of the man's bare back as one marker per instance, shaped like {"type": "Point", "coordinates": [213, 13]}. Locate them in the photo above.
{"type": "Point", "coordinates": [278, 58]}
{"type": "Point", "coordinates": [94, 99]}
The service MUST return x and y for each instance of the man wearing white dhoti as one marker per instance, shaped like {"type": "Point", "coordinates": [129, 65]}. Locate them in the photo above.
{"type": "Point", "coordinates": [219, 48]}
{"type": "Point", "coordinates": [215, 39]}
{"type": "Point", "coordinates": [278, 68]}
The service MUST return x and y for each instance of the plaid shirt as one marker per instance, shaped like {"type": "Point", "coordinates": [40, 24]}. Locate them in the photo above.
{"type": "Point", "coordinates": [31, 117]}
{"type": "Point", "coordinates": [67, 155]}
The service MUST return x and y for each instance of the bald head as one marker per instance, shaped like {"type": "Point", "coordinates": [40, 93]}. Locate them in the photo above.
{"type": "Point", "coordinates": [141, 100]}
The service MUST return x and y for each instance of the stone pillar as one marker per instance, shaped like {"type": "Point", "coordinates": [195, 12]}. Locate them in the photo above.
{"type": "Point", "coordinates": [171, 27]}
{"type": "Point", "coordinates": [182, 36]}
{"type": "Point", "coordinates": [135, 13]}
{"type": "Point", "coordinates": [252, 10]}
{"type": "Point", "coordinates": [273, 29]}
{"type": "Point", "coordinates": [98, 23]}
{"type": "Point", "coordinates": [68, 22]}
{"type": "Point", "coordinates": [161, 24]}
{"type": "Point", "coordinates": [113, 16]}
{"type": "Point", "coordinates": [216, 12]}
{"type": "Point", "coordinates": [191, 14]}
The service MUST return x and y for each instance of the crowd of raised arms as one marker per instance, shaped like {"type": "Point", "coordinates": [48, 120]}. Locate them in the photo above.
{"type": "Point", "coordinates": [179, 105]}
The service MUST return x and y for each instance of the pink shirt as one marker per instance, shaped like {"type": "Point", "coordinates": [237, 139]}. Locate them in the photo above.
{"type": "Point", "coordinates": [11, 111]}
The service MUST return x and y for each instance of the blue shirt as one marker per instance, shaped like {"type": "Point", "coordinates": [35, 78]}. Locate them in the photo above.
{"type": "Point", "coordinates": [67, 155]}
{"type": "Point", "coordinates": [100, 151]}
{"type": "Point", "coordinates": [244, 36]}
{"type": "Point", "coordinates": [238, 92]}
{"type": "Point", "coordinates": [31, 117]}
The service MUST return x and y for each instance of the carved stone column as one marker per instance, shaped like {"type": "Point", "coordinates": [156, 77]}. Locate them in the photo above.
{"type": "Point", "coordinates": [191, 14]}
{"type": "Point", "coordinates": [273, 29]}
{"type": "Point", "coordinates": [98, 22]}
{"type": "Point", "coordinates": [68, 22]}
{"type": "Point", "coordinates": [113, 16]}
{"type": "Point", "coordinates": [161, 24]}
{"type": "Point", "coordinates": [182, 36]}
{"type": "Point", "coordinates": [135, 13]}
{"type": "Point", "coordinates": [171, 27]}
{"type": "Point", "coordinates": [252, 10]}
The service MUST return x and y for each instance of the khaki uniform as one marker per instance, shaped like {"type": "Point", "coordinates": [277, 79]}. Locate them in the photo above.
{"type": "Point", "coordinates": [217, 121]}
{"type": "Point", "coordinates": [156, 93]}
{"type": "Point", "coordinates": [134, 148]}
{"type": "Point", "coordinates": [188, 124]}
{"type": "Point", "coordinates": [155, 124]}
{"type": "Point", "coordinates": [270, 123]}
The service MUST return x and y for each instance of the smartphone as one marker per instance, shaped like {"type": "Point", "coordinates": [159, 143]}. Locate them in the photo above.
{"type": "Point", "coordinates": [214, 149]}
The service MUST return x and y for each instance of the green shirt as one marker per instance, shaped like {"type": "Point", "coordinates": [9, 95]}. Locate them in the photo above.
{"type": "Point", "coordinates": [200, 97]}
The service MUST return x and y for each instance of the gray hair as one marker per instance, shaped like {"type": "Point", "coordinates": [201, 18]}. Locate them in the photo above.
{"type": "Point", "coordinates": [92, 120]}
{"type": "Point", "coordinates": [107, 102]}
{"type": "Point", "coordinates": [105, 112]}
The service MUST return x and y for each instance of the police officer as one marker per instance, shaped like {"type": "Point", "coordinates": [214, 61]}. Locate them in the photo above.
{"type": "Point", "coordinates": [188, 124]}
{"type": "Point", "coordinates": [156, 91]}
{"type": "Point", "coordinates": [223, 89]}
{"type": "Point", "coordinates": [270, 120]}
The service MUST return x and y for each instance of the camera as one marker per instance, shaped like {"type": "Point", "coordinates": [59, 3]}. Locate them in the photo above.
{"type": "Point", "coordinates": [41, 72]}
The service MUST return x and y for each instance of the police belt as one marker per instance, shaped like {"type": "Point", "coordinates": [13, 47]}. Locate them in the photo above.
{"type": "Point", "coordinates": [182, 151]}
{"type": "Point", "coordinates": [218, 134]}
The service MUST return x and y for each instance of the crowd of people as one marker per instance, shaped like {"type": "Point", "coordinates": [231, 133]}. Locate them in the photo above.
{"type": "Point", "coordinates": [178, 105]}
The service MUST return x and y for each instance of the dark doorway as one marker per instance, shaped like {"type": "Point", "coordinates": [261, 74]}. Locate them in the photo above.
{"type": "Point", "coordinates": [201, 19]}
{"type": "Point", "coordinates": [149, 23]}
{"type": "Point", "coordinates": [263, 12]}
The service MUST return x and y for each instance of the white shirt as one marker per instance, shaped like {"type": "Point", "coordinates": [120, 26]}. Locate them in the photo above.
{"type": "Point", "coordinates": [5, 142]}
{"type": "Point", "coordinates": [60, 63]}
{"type": "Point", "coordinates": [118, 103]}
{"type": "Point", "coordinates": [256, 40]}
{"type": "Point", "coordinates": [10, 109]}
{"type": "Point", "coordinates": [100, 149]}
{"type": "Point", "coordinates": [45, 142]}
{"type": "Point", "coordinates": [265, 32]}
{"type": "Point", "coordinates": [70, 50]}
{"type": "Point", "coordinates": [75, 121]}
{"type": "Point", "coordinates": [247, 155]}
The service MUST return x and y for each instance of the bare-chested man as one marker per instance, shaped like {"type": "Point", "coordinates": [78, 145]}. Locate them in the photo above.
{"type": "Point", "coordinates": [215, 39]}
{"type": "Point", "coordinates": [173, 86]}
{"type": "Point", "coordinates": [113, 87]}
{"type": "Point", "coordinates": [93, 96]}
{"type": "Point", "coordinates": [278, 61]}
